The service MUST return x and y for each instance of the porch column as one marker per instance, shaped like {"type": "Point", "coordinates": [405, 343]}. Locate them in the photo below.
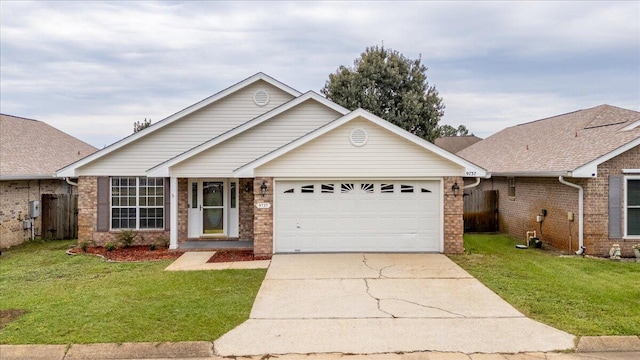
{"type": "Point", "coordinates": [173, 213]}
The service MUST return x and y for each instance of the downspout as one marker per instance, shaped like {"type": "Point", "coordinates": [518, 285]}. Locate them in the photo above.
{"type": "Point", "coordinates": [472, 185]}
{"type": "Point", "coordinates": [580, 213]}
{"type": "Point", "coordinates": [71, 182]}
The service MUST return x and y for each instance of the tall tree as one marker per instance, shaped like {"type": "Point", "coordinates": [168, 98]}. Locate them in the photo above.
{"type": "Point", "coordinates": [386, 83]}
{"type": "Point", "coordinates": [448, 130]}
{"type": "Point", "coordinates": [140, 125]}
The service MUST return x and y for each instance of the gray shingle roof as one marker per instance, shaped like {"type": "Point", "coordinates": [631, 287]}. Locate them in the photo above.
{"type": "Point", "coordinates": [453, 144]}
{"type": "Point", "coordinates": [557, 144]}
{"type": "Point", "coordinates": [32, 148]}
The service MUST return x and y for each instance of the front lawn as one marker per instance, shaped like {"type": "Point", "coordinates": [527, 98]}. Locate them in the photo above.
{"type": "Point", "coordinates": [581, 296]}
{"type": "Point", "coordinates": [83, 299]}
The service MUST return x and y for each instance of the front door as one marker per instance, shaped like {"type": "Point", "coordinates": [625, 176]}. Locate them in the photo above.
{"type": "Point", "coordinates": [213, 208]}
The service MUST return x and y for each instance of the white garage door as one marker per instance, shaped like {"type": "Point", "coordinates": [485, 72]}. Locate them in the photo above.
{"type": "Point", "coordinates": [342, 216]}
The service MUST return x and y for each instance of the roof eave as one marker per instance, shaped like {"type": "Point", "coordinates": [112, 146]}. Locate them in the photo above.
{"type": "Point", "coordinates": [29, 177]}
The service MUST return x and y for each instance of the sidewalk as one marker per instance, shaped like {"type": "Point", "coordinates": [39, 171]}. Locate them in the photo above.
{"type": "Point", "coordinates": [589, 347]}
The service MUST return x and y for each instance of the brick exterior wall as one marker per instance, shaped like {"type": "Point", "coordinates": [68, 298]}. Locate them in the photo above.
{"type": "Point", "coordinates": [14, 207]}
{"type": "Point", "coordinates": [263, 218]}
{"type": "Point", "coordinates": [183, 209]}
{"type": "Point", "coordinates": [246, 206]}
{"type": "Point", "coordinates": [88, 218]}
{"type": "Point", "coordinates": [453, 217]}
{"type": "Point", "coordinates": [517, 215]}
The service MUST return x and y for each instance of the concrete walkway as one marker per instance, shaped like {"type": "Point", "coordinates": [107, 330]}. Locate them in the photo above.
{"type": "Point", "coordinates": [382, 303]}
{"type": "Point", "coordinates": [197, 260]}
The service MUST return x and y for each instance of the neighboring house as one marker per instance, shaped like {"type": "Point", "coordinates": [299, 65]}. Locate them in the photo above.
{"type": "Point", "coordinates": [582, 168]}
{"type": "Point", "coordinates": [30, 153]}
{"type": "Point", "coordinates": [292, 172]}
{"type": "Point", "coordinates": [453, 144]}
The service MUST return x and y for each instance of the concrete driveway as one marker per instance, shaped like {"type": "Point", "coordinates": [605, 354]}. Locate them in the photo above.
{"type": "Point", "coordinates": [379, 303]}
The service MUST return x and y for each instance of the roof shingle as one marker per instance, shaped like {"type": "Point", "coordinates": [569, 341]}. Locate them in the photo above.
{"type": "Point", "coordinates": [32, 148]}
{"type": "Point", "coordinates": [561, 143]}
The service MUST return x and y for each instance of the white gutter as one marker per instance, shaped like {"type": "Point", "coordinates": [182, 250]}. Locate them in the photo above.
{"type": "Point", "coordinates": [580, 213]}
{"type": "Point", "coordinates": [472, 185]}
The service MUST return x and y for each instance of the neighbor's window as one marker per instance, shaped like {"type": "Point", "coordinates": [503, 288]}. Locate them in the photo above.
{"type": "Point", "coordinates": [512, 186]}
{"type": "Point", "coordinates": [633, 207]}
{"type": "Point", "coordinates": [137, 203]}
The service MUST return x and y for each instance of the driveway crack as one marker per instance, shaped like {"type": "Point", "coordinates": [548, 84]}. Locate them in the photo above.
{"type": "Point", "coordinates": [380, 276]}
{"type": "Point", "coordinates": [425, 306]}
{"type": "Point", "coordinates": [366, 283]}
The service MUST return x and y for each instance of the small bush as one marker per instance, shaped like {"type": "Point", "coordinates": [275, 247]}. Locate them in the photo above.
{"type": "Point", "coordinates": [127, 237]}
{"type": "Point", "coordinates": [84, 245]}
{"type": "Point", "coordinates": [163, 241]}
{"type": "Point", "coordinates": [152, 247]}
{"type": "Point", "coordinates": [110, 246]}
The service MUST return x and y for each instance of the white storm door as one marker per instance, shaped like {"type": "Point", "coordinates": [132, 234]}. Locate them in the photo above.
{"type": "Point", "coordinates": [213, 208]}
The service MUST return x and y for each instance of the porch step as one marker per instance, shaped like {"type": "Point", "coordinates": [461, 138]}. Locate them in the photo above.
{"type": "Point", "coordinates": [205, 245]}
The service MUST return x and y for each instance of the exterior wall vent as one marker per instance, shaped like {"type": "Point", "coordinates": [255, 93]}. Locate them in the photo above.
{"type": "Point", "coordinates": [261, 98]}
{"type": "Point", "coordinates": [358, 137]}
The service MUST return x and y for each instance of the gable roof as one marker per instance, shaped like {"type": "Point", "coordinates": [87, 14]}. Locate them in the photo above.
{"type": "Point", "coordinates": [70, 170]}
{"type": "Point", "coordinates": [32, 149]}
{"type": "Point", "coordinates": [572, 144]}
{"type": "Point", "coordinates": [453, 144]}
{"type": "Point", "coordinates": [471, 169]}
{"type": "Point", "coordinates": [163, 169]}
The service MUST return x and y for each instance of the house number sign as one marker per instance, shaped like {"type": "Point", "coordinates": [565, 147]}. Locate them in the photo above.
{"type": "Point", "coordinates": [263, 205]}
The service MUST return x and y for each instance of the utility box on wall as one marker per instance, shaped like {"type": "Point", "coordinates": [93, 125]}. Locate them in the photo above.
{"type": "Point", "coordinates": [34, 209]}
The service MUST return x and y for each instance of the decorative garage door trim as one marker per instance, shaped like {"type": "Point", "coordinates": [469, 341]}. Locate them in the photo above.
{"type": "Point", "coordinates": [358, 215]}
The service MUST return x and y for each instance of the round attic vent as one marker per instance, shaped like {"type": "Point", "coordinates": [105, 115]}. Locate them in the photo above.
{"type": "Point", "coordinates": [261, 98]}
{"type": "Point", "coordinates": [358, 137]}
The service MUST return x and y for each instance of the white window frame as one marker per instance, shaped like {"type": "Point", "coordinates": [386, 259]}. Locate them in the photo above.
{"type": "Point", "coordinates": [626, 207]}
{"type": "Point", "coordinates": [137, 206]}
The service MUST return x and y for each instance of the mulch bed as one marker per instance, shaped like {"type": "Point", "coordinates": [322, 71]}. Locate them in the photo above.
{"type": "Point", "coordinates": [130, 254]}
{"type": "Point", "coordinates": [234, 255]}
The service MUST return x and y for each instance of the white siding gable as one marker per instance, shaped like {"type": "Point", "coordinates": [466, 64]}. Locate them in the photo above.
{"type": "Point", "coordinates": [385, 155]}
{"type": "Point", "coordinates": [222, 159]}
{"type": "Point", "coordinates": [237, 108]}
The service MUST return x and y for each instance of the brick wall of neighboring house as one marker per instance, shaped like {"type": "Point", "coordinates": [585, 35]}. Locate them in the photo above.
{"type": "Point", "coordinates": [596, 205]}
{"type": "Point", "coordinates": [14, 207]}
{"type": "Point", "coordinates": [263, 218]}
{"type": "Point", "coordinates": [246, 206]}
{"type": "Point", "coordinates": [517, 214]}
{"type": "Point", "coordinates": [88, 218]}
{"type": "Point", "coordinates": [453, 217]}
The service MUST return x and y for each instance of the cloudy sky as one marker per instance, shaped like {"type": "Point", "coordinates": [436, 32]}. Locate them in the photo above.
{"type": "Point", "coordinates": [93, 68]}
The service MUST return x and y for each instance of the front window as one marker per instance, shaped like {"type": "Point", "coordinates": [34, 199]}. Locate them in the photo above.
{"type": "Point", "coordinates": [632, 207]}
{"type": "Point", "coordinates": [512, 187]}
{"type": "Point", "coordinates": [137, 203]}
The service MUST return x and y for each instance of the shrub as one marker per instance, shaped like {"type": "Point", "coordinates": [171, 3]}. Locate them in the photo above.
{"type": "Point", "coordinates": [153, 246]}
{"type": "Point", "coordinates": [84, 245]}
{"type": "Point", "coordinates": [127, 237]}
{"type": "Point", "coordinates": [110, 246]}
{"type": "Point", "coordinates": [163, 241]}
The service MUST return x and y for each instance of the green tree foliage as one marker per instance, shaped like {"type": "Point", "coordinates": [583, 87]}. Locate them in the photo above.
{"type": "Point", "coordinates": [140, 125]}
{"type": "Point", "coordinates": [389, 85]}
{"type": "Point", "coordinates": [448, 130]}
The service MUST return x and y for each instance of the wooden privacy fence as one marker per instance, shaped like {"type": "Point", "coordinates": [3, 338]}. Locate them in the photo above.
{"type": "Point", "coordinates": [59, 216]}
{"type": "Point", "coordinates": [481, 211]}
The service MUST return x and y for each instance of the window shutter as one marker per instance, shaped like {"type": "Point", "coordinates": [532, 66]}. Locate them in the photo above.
{"type": "Point", "coordinates": [103, 204]}
{"type": "Point", "coordinates": [615, 206]}
{"type": "Point", "coordinates": [167, 203]}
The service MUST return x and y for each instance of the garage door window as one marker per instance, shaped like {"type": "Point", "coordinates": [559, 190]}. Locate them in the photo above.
{"type": "Point", "coordinates": [386, 188]}
{"type": "Point", "coordinates": [406, 188]}
{"type": "Point", "coordinates": [368, 188]}
{"type": "Point", "coordinates": [327, 189]}
{"type": "Point", "coordinates": [346, 188]}
{"type": "Point", "coordinates": [307, 189]}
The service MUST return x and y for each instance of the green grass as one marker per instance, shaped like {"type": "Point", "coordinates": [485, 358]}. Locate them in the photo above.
{"type": "Point", "coordinates": [83, 299]}
{"type": "Point", "coordinates": [582, 296]}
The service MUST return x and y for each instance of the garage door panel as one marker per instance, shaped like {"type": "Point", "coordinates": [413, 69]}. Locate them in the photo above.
{"type": "Point", "coordinates": [357, 216]}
